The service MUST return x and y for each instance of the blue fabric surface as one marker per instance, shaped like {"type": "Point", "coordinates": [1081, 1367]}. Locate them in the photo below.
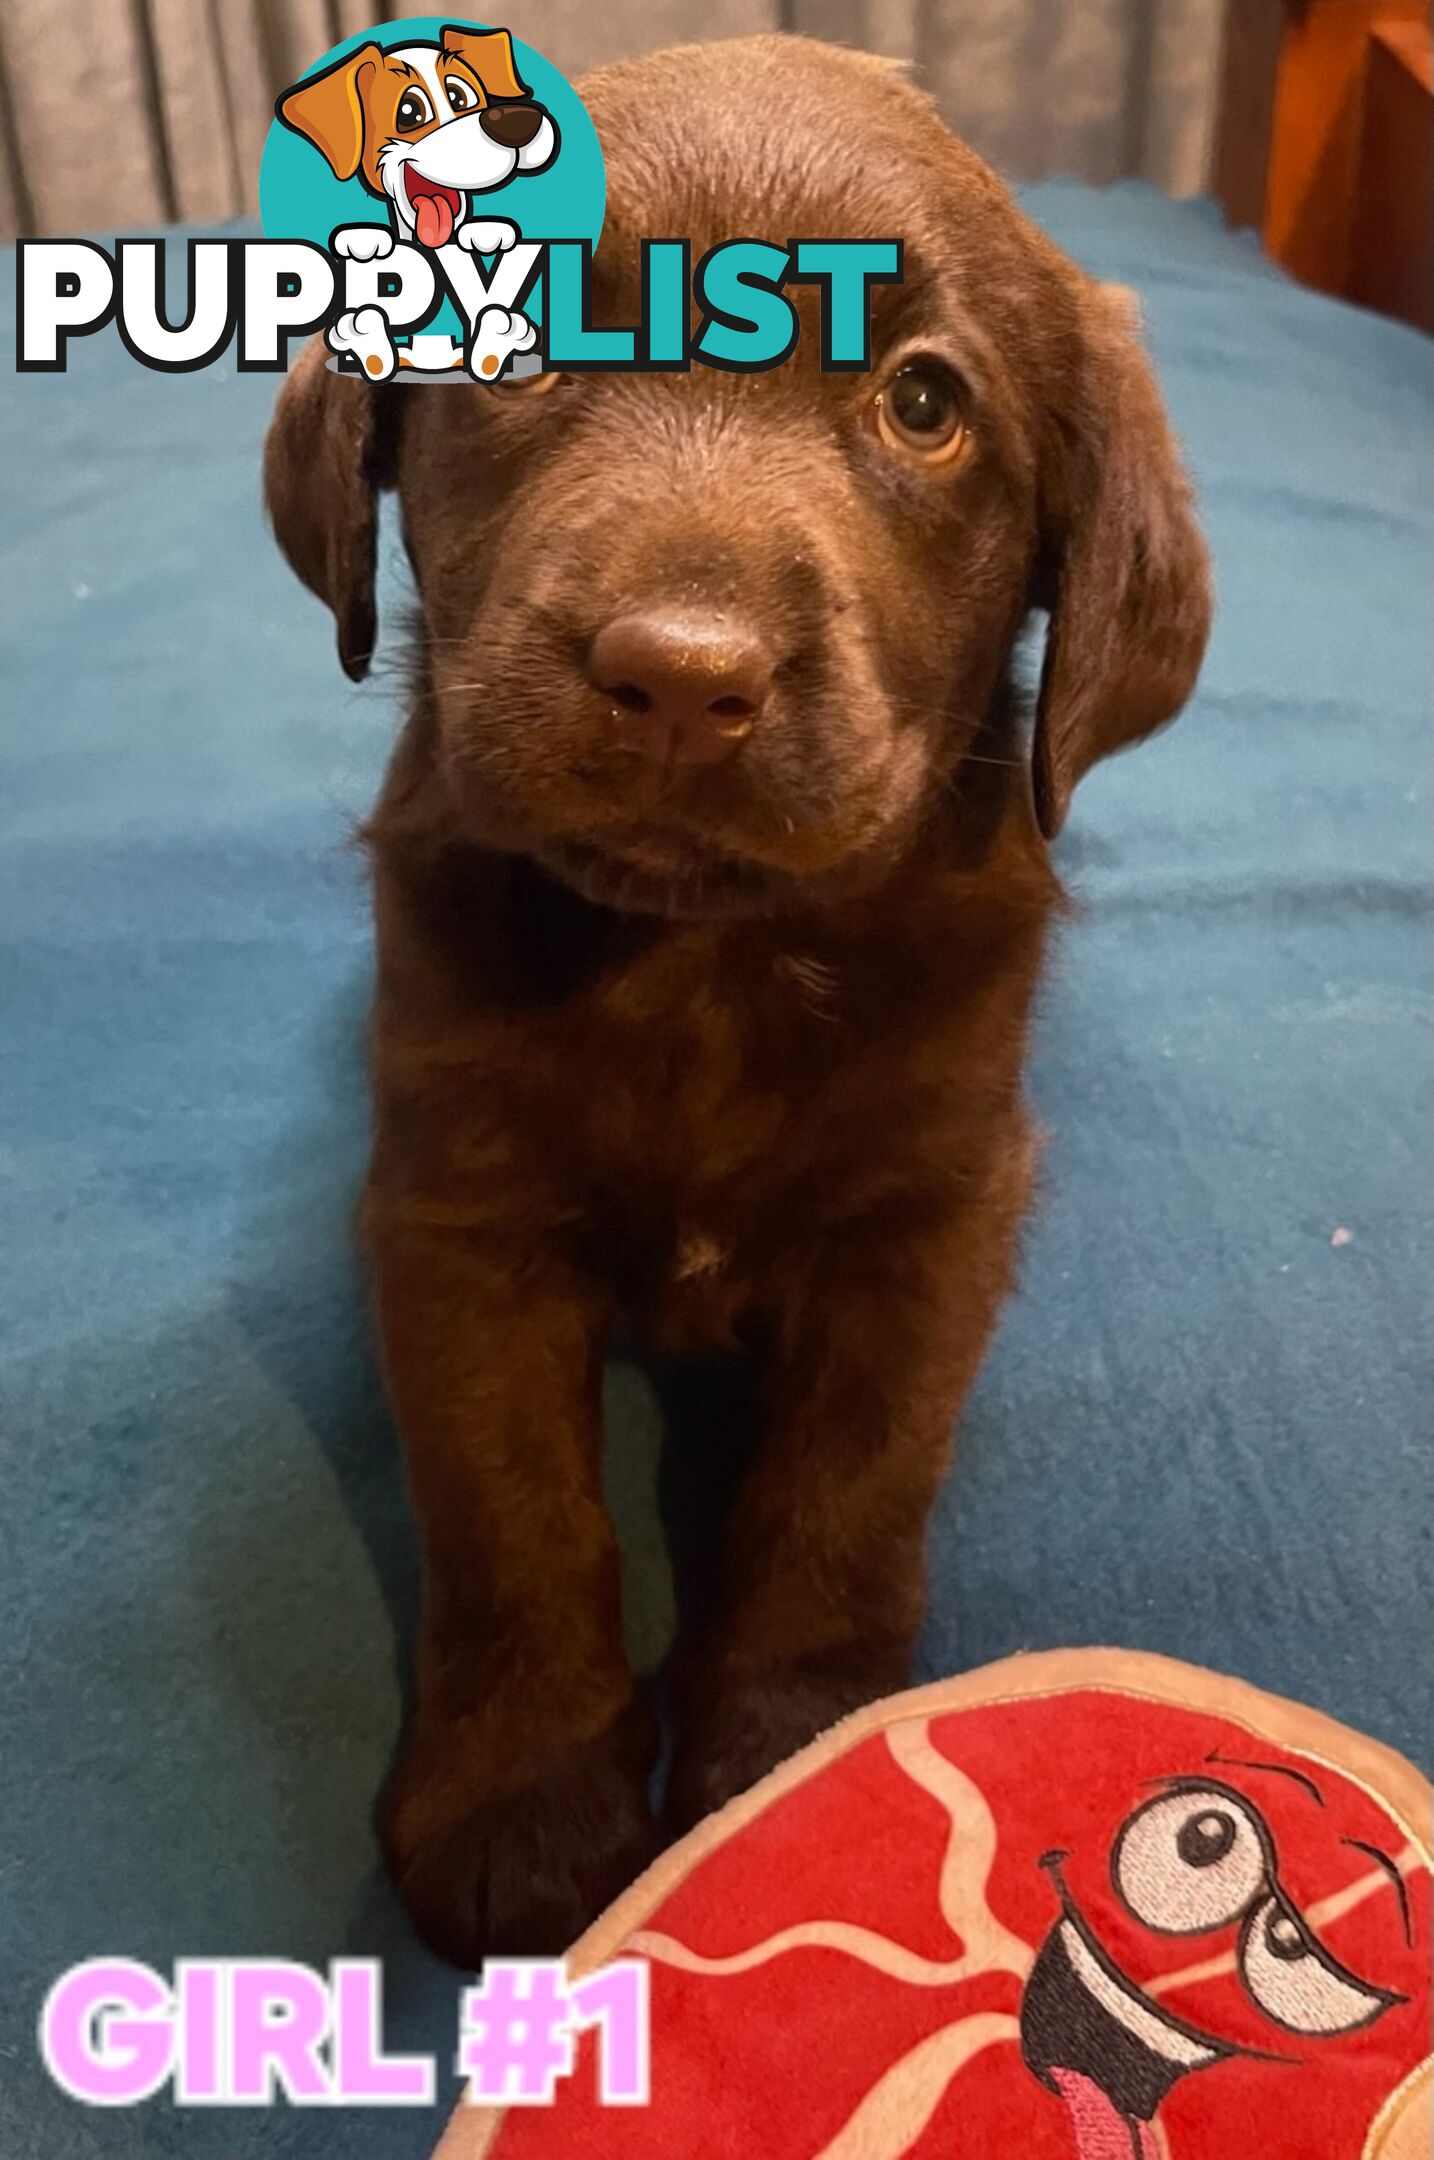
{"type": "Point", "coordinates": [1203, 1428]}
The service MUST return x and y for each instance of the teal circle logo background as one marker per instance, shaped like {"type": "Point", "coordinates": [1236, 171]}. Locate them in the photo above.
{"type": "Point", "coordinates": [300, 198]}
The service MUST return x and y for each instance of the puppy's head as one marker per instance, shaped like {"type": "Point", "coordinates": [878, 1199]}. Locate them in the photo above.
{"type": "Point", "coordinates": [707, 642]}
{"type": "Point", "coordinates": [425, 125]}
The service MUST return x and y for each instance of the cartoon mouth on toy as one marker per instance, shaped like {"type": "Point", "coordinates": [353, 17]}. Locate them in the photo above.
{"type": "Point", "coordinates": [435, 208]}
{"type": "Point", "coordinates": [1093, 2037]}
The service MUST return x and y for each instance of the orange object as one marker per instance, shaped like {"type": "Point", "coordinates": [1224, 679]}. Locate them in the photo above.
{"type": "Point", "coordinates": [1391, 248]}
{"type": "Point", "coordinates": [1326, 126]}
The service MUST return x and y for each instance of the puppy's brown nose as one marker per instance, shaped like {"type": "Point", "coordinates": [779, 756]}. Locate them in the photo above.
{"type": "Point", "coordinates": [688, 687]}
{"type": "Point", "coordinates": [511, 125]}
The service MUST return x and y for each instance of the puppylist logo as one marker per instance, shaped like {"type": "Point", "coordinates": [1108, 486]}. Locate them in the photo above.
{"type": "Point", "coordinates": [431, 194]}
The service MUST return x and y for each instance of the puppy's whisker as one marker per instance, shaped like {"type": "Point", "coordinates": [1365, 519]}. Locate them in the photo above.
{"type": "Point", "coordinates": [910, 709]}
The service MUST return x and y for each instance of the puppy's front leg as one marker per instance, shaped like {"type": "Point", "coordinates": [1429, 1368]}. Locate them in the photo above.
{"type": "Point", "coordinates": [875, 1342]}
{"type": "Point", "coordinates": [518, 1805]}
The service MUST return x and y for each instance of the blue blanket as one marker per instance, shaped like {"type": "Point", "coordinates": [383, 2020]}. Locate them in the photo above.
{"type": "Point", "coordinates": [1203, 1428]}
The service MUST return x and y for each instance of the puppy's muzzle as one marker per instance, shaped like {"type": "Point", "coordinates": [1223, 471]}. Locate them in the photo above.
{"type": "Point", "coordinates": [511, 125]}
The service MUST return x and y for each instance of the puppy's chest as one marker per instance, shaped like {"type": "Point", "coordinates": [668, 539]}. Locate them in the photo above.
{"type": "Point", "coordinates": [697, 1083]}
{"type": "Point", "coordinates": [715, 1097]}
{"type": "Point", "coordinates": [694, 1111]}
{"type": "Point", "coordinates": [701, 1127]}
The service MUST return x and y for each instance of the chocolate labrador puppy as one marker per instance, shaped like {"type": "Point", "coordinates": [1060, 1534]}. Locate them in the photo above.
{"type": "Point", "coordinates": [712, 882]}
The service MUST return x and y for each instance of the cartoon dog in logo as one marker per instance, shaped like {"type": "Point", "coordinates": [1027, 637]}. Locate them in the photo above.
{"type": "Point", "coordinates": [425, 127]}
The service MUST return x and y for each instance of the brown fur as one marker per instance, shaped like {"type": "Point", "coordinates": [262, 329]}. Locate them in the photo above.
{"type": "Point", "coordinates": [734, 1055]}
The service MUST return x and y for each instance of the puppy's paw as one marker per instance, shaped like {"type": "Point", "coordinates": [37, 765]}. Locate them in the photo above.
{"type": "Point", "coordinates": [363, 333]}
{"type": "Point", "coordinates": [523, 1872]}
{"type": "Point", "coordinates": [498, 334]}
{"type": "Point", "coordinates": [487, 236]}
{"type": "Point", "coordinates": [733, 1734]}
{"type": "Point", "coordinates": [363, 243]}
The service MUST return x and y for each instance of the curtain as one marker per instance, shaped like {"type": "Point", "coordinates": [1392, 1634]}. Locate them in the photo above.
{"type": "Point", "coordinates": [136, 112]}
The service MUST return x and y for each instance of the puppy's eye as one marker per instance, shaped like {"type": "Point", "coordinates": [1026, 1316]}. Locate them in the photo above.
{"type": "Point", "coordinates": [922, 411]}
{"type": "Point", "coordinates": [414, 111]}
{"type": "Point", "coordinates": [460, 97]}
{"type": "Point", "coordinates": [531, 385]}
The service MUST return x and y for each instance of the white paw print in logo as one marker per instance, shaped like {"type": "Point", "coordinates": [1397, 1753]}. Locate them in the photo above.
{"type": "Point", "coordinates": [363, 335]}
{"type": "Point", "coordinates": [498, 334]}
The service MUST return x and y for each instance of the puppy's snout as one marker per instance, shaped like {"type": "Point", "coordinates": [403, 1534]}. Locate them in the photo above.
{"type": "Point", "coordinates": [688, 688]}
{"type": "Point", "coordinates": [511, 125]}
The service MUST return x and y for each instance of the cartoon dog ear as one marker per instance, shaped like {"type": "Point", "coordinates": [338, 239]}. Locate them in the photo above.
{"type": "Point", "coordinates": [329, 109]}
{"type": "Point", "coordinates": [1126, 575]}
{"type": "Point", "coordinates": [332, 444]}
{"type": "Point", "coordinates": [490, 55]}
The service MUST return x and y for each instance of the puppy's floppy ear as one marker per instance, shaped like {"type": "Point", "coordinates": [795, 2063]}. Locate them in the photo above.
{"type": "Point", "coordinates": [490, 55]}
{"type": "Point", "coordinates": [1126, 573]}
{"type": "Point", "coordinates": [331, 446]}
{"type": "Point", "coordinates": [329, 109]}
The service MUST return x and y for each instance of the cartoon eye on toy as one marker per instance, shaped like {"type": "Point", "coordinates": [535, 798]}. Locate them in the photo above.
{"type": "Point", "coordinates": [1295, 1981]}
{"type": "Point", "coordinates": [1192, 1860]}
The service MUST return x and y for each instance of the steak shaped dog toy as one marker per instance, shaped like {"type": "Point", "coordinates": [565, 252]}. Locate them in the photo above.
{"type": "Point", "coordinates": [424, 127]}
{"type": "Point", "coordinates": [1085, 1905]}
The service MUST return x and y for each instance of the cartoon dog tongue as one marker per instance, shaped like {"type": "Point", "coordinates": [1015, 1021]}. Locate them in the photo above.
{"type": "Point", "coordinates": [1101, 2131]}
{"type": "Point", "coordinates": [434, 219]}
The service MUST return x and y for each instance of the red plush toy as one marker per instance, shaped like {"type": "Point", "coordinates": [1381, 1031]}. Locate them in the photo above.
{"type": "Point", "coordinates": [1079, 1906]}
